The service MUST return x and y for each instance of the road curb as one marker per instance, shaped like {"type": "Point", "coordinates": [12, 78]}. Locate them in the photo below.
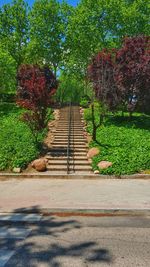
{"type": "Point", "coordinates": [81, 212]}
{"type": "Point", "coordinates": [7, 176]}
{"type": "Point", "coordinates": [95, 212]}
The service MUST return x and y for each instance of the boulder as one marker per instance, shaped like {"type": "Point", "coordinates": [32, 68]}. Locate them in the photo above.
{"type": "Point", "coordinates": [81, 111]}
{"type": "Point", "coordinates": [89, 138]}
{"type": "Point", "coordinates": [39, 165]}
{"type": "Point", "coordinates": [104, 164]}
{"type": "Point", "coordinates": [96, 172]}
{"type": "Point", "coordinates": [56, 114]}
{"type": "Point", "coordinates": [17, 170]}
{"type": "Point", "coordinates": [93, 152]}
{"type": "Point", "coordinates": [90, 161]}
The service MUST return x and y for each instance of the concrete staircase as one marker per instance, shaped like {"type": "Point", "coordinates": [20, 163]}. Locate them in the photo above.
{"type": "Point", "coordinates": [57, 155]}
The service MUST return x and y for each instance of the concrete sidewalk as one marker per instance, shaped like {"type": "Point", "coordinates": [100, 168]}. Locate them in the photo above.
{"type": "Point", "coordinates": [93, 195]}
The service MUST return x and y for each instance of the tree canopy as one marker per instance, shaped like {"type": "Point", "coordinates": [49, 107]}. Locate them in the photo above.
{"type": "Point", "coordinates": [121, 77]}
{"type": "Point", "coordinates": [67, 37]}
{"type": "Point", "coordinates": [7, 72]}
{"type": "Point", "coordinates": [14, 29]}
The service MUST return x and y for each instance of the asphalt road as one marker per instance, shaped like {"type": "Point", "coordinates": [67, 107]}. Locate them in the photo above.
{"type": "Point", "coordinates": [76, 242]}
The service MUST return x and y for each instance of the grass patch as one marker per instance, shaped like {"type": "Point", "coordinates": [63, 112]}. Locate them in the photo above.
{"type": "Point", "coordinates": [7, 109]}
{"type": "Point", "coordinates": [123, 142]}
{"type": "Point", "coordinates": [17, 144]}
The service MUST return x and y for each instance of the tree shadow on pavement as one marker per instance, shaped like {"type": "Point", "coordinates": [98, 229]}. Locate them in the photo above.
{"type": "Point", "coordinates": [53, 241]}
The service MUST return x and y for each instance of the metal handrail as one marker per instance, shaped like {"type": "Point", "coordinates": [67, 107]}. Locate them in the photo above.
{"type": "Point", "coordinates": [73, 168]}
{"type": "Point", "coordinates": [69, 136]}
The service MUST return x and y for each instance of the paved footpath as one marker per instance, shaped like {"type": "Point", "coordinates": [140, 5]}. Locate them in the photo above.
{"type": "Point", "coordinates": [66, 194]}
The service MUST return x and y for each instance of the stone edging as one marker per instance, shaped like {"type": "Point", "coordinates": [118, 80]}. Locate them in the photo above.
{"type": "Point", "coordinates": [6, 176]}
{"type": "Point", "coordinates": [78, 212]}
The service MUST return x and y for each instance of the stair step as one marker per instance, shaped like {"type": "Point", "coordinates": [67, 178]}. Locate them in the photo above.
{"type": "Point", "coordinates": [62, 133]}
{"type": "Point", "coordinates": [67, 129]}
{"type": "Point", "coordinates": [65, 142]}
{"type": "Point", "coordinates": [63, 147]}
{"type": "Point", "coordinates": [76, 134]}
{"type": "Point", "coordinates": [80, 137]}
{"type": "Point", "coordinates": [66, 134]}
{"type": "Point", "coordinates": [75, 141]}
{"type": "Point", "coordinates": [59, 154]}
{"type": "Point", "coordinates": [71, 162]}
{"type": "Point", "coordinates": [80, 133]}
{"type": "Point", "coordinates": [64, 168]}
{"type": "Point", "coordinates": [64, 139]}
{"type": "Point", "coordinates": [73, 123]}
{"type": "Point", "coordinates": [72, 126]}
{"type": "Point", "coordinates": [76, 158]}
{"type": "Point", "coordinates": [79, 123]}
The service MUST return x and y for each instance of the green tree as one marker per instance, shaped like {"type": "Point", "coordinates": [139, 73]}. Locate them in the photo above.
{"type": "Point", "coordinates": [90, 29]}
{"type": "Point", "coordinates": [71, 88]}
{"type": "Point", "coordinates": [14, 29]}
{"type": "Point", "coordinates": [99, 24]}
{"type": "Point", "coordinates": [7, 72]}
{"type": "Point", "coordinates": [48, 23]}
{"type": "Point", "coordinates": [136, 18]}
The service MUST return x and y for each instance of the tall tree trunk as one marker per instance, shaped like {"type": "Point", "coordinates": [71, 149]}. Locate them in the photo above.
{"type": "Point", "coordinates": [102, 115]}
{"type": "Point", "coordinates": [130, 115]}
{"type": "Point", "coordinates": [93, 123]}
{"type": "Point", "coordinates": [94, 133]}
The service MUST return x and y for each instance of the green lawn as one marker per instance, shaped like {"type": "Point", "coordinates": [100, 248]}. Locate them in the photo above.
{"type": "Point", "coordinates": [17, 144]}
{"type": "Point", "coordinates": [123, 142]}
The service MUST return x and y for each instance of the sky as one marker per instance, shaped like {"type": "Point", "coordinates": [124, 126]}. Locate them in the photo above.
{"type": "Point", "coordinates": [30, 2]}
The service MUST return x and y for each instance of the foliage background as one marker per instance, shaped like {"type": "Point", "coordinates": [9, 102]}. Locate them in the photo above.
{"type": "Point", "coordinates": [66, 36]}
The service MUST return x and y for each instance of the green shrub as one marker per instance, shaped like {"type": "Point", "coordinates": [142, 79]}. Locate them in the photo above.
{"type": "Point", "coordinates": [7, 109]}
{"type": "Point", "coordinates": [88, 115]}
{"type": "Point", "coordinates": [17, 146]}
{"type": "Point", "coordinates": [84, 103]}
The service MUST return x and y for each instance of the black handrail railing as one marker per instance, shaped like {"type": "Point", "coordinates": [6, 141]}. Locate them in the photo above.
{"type": "Point", "coordinates": [73, 168]}
{"type": "Point", "coordinates": [69, 137]}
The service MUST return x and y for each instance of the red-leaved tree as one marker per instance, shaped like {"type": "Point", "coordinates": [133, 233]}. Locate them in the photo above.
{"type": "Point", "coordinates": [132, 73]}
{"type": "Point", "coordinates": [36, 86]}
{"type": "Point", "coordinates": [101, 74]}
